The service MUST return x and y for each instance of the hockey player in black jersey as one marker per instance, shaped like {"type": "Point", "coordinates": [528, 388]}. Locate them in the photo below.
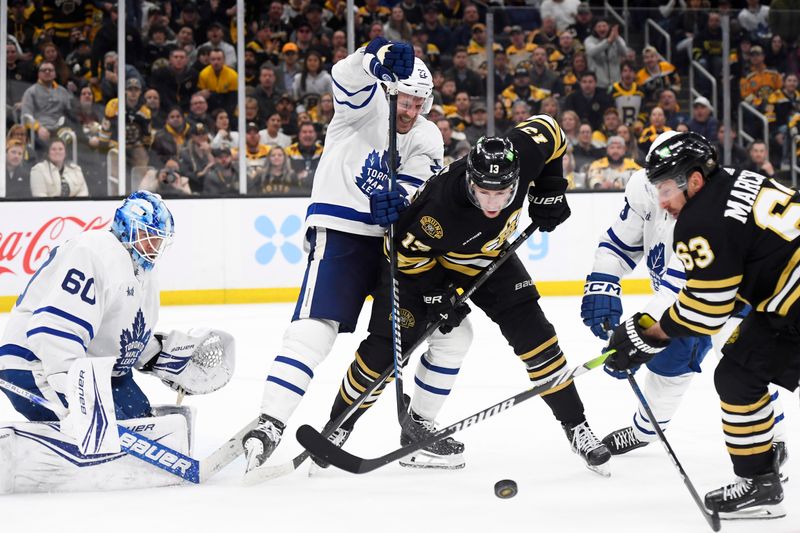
{"type": "Point", "coordinates": [455, 226]}
{"type": "Point", "coordinates": [738, 235]}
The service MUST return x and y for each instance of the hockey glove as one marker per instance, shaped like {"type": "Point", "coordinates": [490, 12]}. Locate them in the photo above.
{"type": "Point", "coordinates": [441, 305]}
{"type": "Point", "coordinates": [387, 60]}
{"type": "Point", "coordinates": [385, 206]}
{"type": "Point", "coordinates": [547, 209]}
{"type": "Point", "coordinates": [601, 307]}
{"type": "Point", "coordinates": [630, 346]}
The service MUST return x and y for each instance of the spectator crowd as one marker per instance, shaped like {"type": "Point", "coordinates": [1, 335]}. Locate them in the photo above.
{"type": "Point", "coordinates": [181, 76]}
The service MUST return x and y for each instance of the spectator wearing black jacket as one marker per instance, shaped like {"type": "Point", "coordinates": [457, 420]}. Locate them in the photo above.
{"type": "Point", "coordinates": [176, 83]}
{"type": "Point", "coordinates": [588, 102]}
{"type": "Point", "coordinates": [466, 79]}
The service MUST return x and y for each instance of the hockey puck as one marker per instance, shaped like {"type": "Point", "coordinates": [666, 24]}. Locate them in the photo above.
{"type": "Point", "coordinates": [505, 488]}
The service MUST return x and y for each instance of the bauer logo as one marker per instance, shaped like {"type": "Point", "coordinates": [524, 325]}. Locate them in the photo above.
{"type": "Point", "coordinates": [278, 239]}
{"type": "Point", "coordinates": [498, 408]}
{"type": "Point", "coordinates": [154, 453]}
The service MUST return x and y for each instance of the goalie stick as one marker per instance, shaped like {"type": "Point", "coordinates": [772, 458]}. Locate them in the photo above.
{"type": "Point", "coordinates": [133, 443]}
{"type": "Point", "coordinates": [267, 472]}
{"type": "Point", "coordinates": [319, 446]}
{"type": "Point", "coordinates": [711, 517]}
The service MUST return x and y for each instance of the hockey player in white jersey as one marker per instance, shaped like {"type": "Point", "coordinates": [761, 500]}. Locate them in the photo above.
{"type": "Point", "coordinates": [644, 230]}
{"type": "Point", "coordinates": [350, 208]}
{"type": "Point", "coordinates": [96, 296]}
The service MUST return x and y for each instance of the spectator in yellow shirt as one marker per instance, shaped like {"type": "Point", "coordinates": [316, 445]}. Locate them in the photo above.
{"type": "Point", "coordinates": [218, 82]}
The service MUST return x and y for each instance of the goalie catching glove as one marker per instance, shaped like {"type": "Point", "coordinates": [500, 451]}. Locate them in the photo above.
{"type": "Point", "coordinates": [197, 362]}
{"type": "Point", "coordinates": [441, 306]}
{"type": "Point", "coordinates": [630, 346]}
{"type": "Point", "coordinates": [387, 60]}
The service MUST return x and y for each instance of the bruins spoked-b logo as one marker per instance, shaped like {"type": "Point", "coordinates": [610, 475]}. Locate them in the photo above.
{"type": "Point", "coordinates": [407, 320]}
{"type": "Point", "coordinates": [431, 227]}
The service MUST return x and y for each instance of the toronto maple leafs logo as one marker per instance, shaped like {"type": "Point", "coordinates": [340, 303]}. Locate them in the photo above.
{"type": "Point", "coordinates": [656, 264]}
{"type": "Point", "coordinates": [374, 173]}
{"type": "Point", "coordinates": [131, 344]}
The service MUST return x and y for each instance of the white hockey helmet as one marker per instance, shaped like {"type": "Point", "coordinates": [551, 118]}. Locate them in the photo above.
{"type": "Point", "coordinates": [662, 138]}
{"type": "Point", "coordinates": [419, 83]}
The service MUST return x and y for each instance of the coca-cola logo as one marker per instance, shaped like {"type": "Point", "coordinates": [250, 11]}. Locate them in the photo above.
{"type": "Point", "coordinates": [29, 248]}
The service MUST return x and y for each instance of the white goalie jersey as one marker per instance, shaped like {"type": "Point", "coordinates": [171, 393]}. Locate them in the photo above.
{"type": "Point", "coordinates": [84, 301]}
{"type": "Point", "coordinates": [351, 168]}
{"type": "Point", "coordinates": [642, 230]}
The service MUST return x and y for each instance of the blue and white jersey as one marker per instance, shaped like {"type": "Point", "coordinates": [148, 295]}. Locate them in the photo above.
{"type": "Point", "coordinates": [84, 301]}
{"type": "Point", "coordinates": [642, 230]}
{"type": "Point", "coordinates": [355, 162]}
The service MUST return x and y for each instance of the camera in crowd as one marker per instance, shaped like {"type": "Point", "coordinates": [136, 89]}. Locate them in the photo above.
{"type": "Point", "coordinates": [168, 175]}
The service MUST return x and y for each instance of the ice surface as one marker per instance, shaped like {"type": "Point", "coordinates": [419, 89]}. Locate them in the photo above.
{"type": "Point", "coordinates": [556, 492]}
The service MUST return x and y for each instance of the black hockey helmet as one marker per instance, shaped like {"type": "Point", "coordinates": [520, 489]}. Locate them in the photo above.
{"type": "Point", "coordinates": [678, 156]}
{"type": "Point", "coordinates": [492, 164]}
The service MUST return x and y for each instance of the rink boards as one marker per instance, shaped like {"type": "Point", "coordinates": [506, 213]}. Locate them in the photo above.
{"type": "Point", "coordinates": [247, 250]}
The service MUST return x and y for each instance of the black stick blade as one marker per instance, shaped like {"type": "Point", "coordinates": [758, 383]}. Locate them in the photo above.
{"type": "Point", "coordinates": [320, 447]}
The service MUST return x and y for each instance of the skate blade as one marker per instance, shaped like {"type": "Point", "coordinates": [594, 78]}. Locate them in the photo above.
{"type": "Point", "coordinates": [601, 470]}
{"type": "Point", "coordinates": [759, 512]}
{"type": "Point", "coordinates": [265, 472]}
{"type": "Point", "coordinates": [424, 459]}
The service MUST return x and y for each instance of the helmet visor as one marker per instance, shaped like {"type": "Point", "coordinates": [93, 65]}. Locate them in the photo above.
{"type": "Point", "coordinates": [491, 200]}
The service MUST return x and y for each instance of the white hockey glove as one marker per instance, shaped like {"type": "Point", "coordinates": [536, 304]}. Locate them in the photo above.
{"type": "Point", "coordinates": [197, 362]}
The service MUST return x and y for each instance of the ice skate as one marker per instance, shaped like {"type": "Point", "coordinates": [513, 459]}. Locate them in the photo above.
{"type": "Point", "coordinates": [445, 454]}
{"type": "Point", "coordinates": [781, 456]}
{"type": "Point", "coordinates": [260, 442]}
{"type": "Point", "coordinates": [758, 497]}
{"type": "Point", "coordinates": [338, 438]}
{"type": "Point", "coordinates": [585, 444]}
{"type": "Point", "coordinates": [623, 441]}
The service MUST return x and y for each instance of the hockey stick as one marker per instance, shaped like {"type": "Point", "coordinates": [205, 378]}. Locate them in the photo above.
{"type": "Point", "coordinates": [397, 348]}
{"type": "Point", "coordinates": [711, 517]}
{"type": "Point", "coordinates": [321, 447]}
{"type": "Point", "coordinates": [135, 444]}
{"type": "Point", "coordinates": [266, 472]}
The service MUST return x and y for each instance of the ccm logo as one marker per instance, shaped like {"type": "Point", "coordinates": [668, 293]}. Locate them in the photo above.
{"type": "Point", "coordinates": [154, 453]}
{"type": "Point", "coordinates": [547, 200]}
{"type": "Point", "coordinates": [523, 284]}
{"type": "Point", "coordinates": [595, 287]}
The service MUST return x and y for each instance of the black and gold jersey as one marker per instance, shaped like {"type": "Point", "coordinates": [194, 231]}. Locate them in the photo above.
{"type": "Point", "coordinates": [738, 238]}
{"type": "Point", "coordinates": [442, 226]}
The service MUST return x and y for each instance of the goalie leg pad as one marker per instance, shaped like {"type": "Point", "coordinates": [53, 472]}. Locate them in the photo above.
{"type": "Point", "coordinates": [306, 343]}
{"type": "Point", "coordinates": [438, 369]}
{"type": "Point", "coordinates": [187, 412]}
{"type": "Point", "coordinates": [36, 457]}
{"type": "Point", "coordinates": [664, 394]}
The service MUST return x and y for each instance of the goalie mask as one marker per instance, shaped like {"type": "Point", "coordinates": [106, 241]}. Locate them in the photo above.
{"type": "Point", "coordinates": [144, 226]}
{"type": "Point", "coordinates": [492, 164]}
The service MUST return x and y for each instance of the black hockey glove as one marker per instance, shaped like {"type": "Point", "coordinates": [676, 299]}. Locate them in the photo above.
{"type": "Point", "coordinates": [387, 60]}
{"type": "Point", "coordinates": [547, 209]}
{"type": "Point", "coordinates": [441, 305]}
{"type": "Point", "coordinates": [631, 347]}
